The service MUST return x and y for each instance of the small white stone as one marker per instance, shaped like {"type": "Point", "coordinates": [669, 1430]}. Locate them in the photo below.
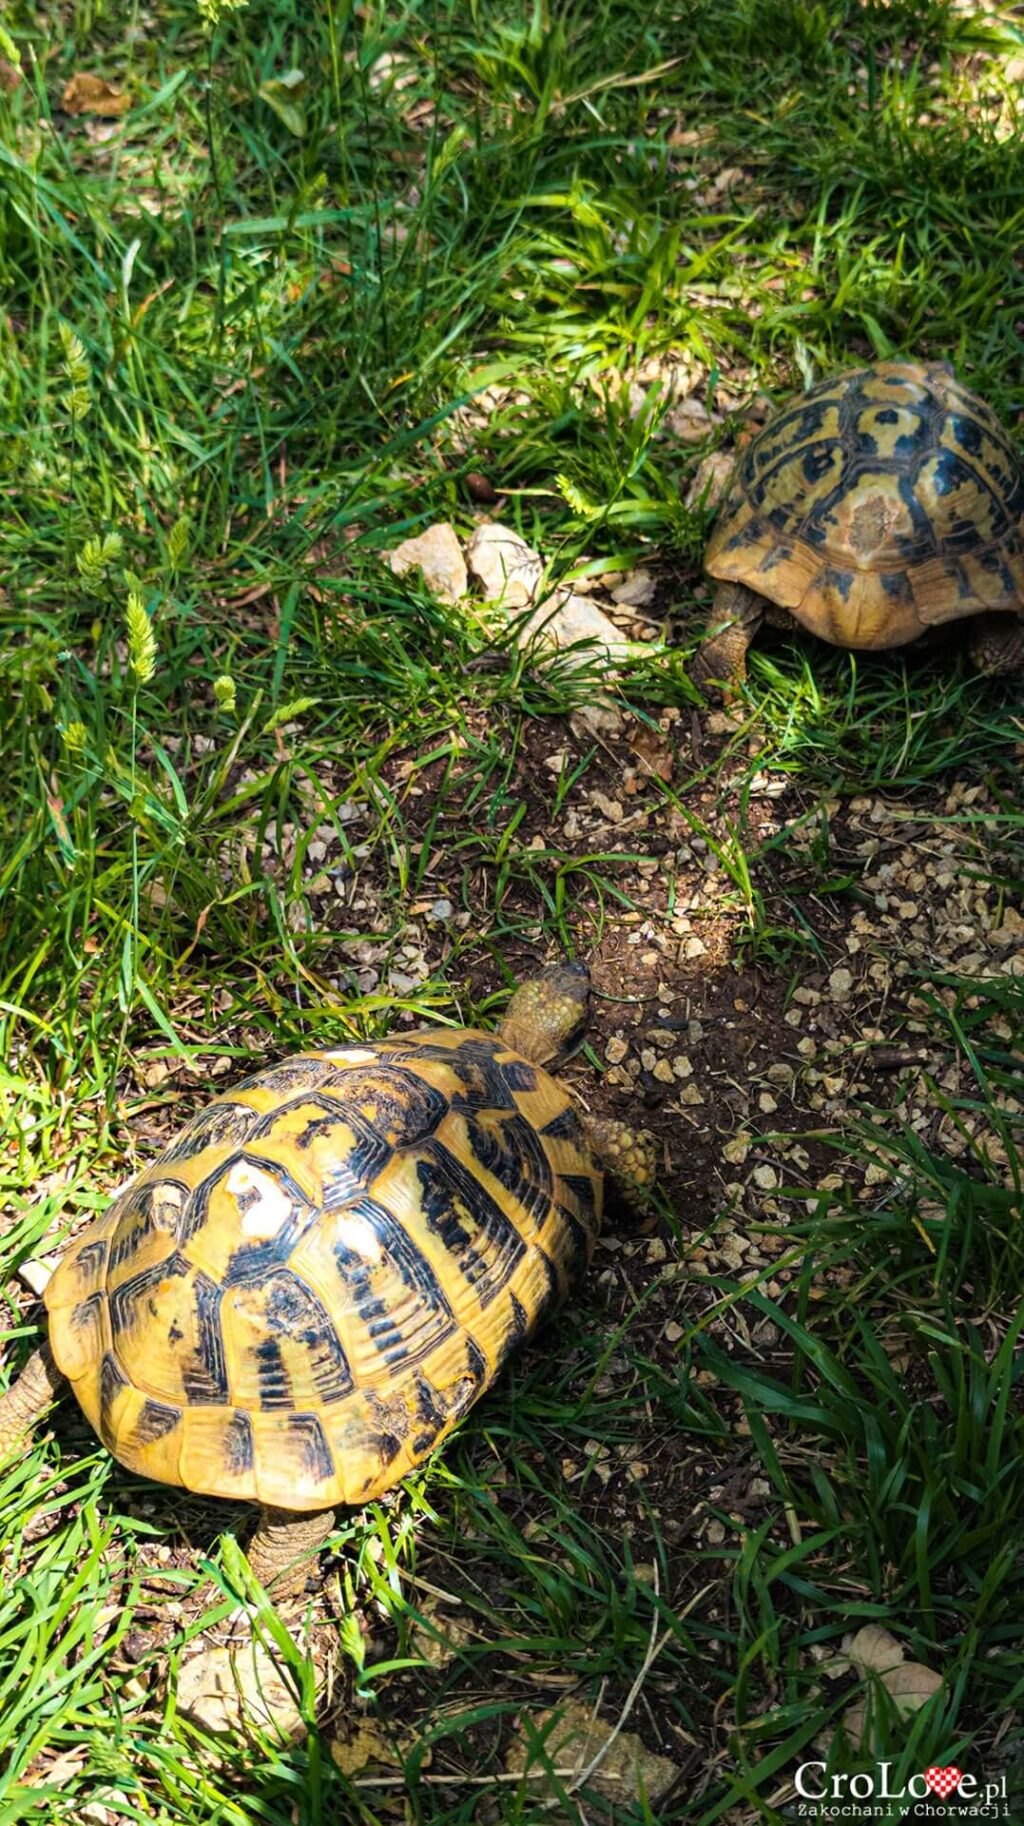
{"type": "Point", "coordinates": [438, 554]}
{"type": "Point", "coordinates": [736, 1150]}
{"type": "Point", "coordinates": [506, 568]}
{"type": "Point", "coordinates": [840, 983]}
{"type": "Point", "coordinates": [635, 591]}
{"type": "Point", "coordinates": [35, 1273]}
{"type": "Point", "coordinates": [227, 1690]}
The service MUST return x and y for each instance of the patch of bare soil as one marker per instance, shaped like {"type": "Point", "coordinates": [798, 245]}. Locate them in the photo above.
{"type": "Point", "coordinates": [746, 1075]}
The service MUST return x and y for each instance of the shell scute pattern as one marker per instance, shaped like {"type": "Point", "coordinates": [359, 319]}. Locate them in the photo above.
{"type": "Point", "coordinates": [877, 505]}
{"type": "Point", "coordinates": [326, 1267]}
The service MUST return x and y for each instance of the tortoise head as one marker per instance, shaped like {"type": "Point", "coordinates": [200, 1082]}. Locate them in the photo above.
{"type": "Point", "coordinates": [547, 1015]}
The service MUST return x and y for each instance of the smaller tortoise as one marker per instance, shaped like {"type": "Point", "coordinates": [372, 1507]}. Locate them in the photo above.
{"type": "Point", "coordinates": [874, 507]}
{"type": "Point", "coordinates": [307, 1289]}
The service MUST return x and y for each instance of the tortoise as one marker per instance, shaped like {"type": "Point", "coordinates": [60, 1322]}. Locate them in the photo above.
{"type": "Point", "coordinates": [312, 1283]}
{"type": "Point", "coordinates": [874, 507]}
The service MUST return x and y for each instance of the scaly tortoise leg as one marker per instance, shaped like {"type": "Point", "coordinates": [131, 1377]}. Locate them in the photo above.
{"type": "Point", "coordinates": [736, 615]}
{"type": "Point", "coordinates": [629, 1156]}
{"type": "Point", "coordinates": [27, 1400]}
{"type": "Point", "coordinates": [997, 644]}
{"type": "Point", "coordinates": [281, 1549]}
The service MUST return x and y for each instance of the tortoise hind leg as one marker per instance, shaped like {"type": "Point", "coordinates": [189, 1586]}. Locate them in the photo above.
{"type": "Point", "coordinates": [27, 1400]}
{"type": "Point", "coordinates": [721, 658]}
{"type": "Point", "coordinates": [997, 644]}
{"type": "Point", "coordinates": [629, 1156]}
{"type": "Point", "coordinates": [281, 1549]}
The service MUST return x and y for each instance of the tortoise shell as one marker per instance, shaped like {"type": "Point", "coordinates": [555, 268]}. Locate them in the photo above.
{"type": "Point", "coordinates": [308, 1288]}
{"type": "Point", "coordinates": [877, 505]}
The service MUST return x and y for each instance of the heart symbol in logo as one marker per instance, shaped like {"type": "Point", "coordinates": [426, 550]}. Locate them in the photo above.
{"type": "Point", "coordinates": [943, 1781]}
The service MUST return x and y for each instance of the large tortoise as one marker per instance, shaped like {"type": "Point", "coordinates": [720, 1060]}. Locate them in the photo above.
{"type": "Point", "coordinates": [874, 507]}
{"type": "Point", "coordinates": [301, 1296]}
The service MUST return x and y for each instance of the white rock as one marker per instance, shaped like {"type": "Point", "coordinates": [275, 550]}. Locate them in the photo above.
{"type": "Point", "coordinates": [438, 554]}
{"type": "Point", "coordinates": [711, 480]}
{"type": "Point", "coordinates": [689, 420]}
{"type": "Point", "coordinates": [35, 1273]}
{"type": "Point", "coordinates": [840, 982]}
{"type": "Point", "coordinates": [229, 1690]}
{"type": "Point", "coordinates": [506, 568]}
{"type": "Point", "coordinates": [562, 622]}
{"type": "Point", "coordinates": [635, 591]}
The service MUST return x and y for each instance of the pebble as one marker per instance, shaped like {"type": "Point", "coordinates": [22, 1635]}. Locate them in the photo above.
{"type": "Point", "coordinates": [438, 554]}
{"type": "Point", "coordinates": [841, 983]}
{"type": "Point", "coordinates": [506, 568]}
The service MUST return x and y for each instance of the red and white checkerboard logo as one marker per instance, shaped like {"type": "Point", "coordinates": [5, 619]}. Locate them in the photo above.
{"type": "Point", "coordinates": [943, 1781]}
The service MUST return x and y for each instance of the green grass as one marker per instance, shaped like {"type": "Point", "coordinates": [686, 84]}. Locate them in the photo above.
{"type": "Point", "coordinates": [298, 336]}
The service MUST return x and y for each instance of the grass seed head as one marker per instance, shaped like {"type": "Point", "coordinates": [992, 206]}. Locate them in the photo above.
{"type": "Point", "coordinates": [141, 639]}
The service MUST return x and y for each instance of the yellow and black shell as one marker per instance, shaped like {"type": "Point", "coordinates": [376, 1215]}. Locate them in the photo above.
{"type": "Point", "coordinates": [308, 1288]}
{"type": "Point", "coordinates": [877, 505]}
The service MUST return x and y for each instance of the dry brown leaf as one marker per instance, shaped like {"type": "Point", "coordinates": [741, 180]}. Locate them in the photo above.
{"type": "Point", "coordinates": [873, 1650]}
{"type": "Point", "coordinates": [911, 1686]}
{"type": "Point", "coordinates": [62, 1769]}
{"type": "Point", "coordinates": [625, 1769]}
{"type": "Point", "coordinates": [441, 1636]}
{"type": "Point", "coordinates": [367, 1744]}
{"type": "Point", "coordinates": [654, 752]}
{"type": "Point", "coordinates": [86, 93]}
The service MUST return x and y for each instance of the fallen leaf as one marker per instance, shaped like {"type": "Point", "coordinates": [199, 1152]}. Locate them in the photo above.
{"type": "Point", "coordinates": [873, 1650]}
{"type": "Point", "coordinates": [654, 752]}
{"type": "Point", "coordinates": [570, 1741]}
{"type": "Point", "coordinates": [86, 93]}
{"type": "Point", "coordinates": [439, 1636]}
{"type": "Point", "coordinates": [367, 1744]}
{"type": "Point", "coordinates": [911, 1686]}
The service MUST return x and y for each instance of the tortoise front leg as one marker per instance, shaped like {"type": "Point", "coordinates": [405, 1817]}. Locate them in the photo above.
{"type": "Point", "coordinates": [997, 644]}
{"type": "Point", "coordinates": [27, 1400]}
{"type": "Point", "coordinates": [629, 1156]}
{"type": "Point", "coordinates": [281, 1549]}
{"type": "Point", "coordinates": [736, 615]}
